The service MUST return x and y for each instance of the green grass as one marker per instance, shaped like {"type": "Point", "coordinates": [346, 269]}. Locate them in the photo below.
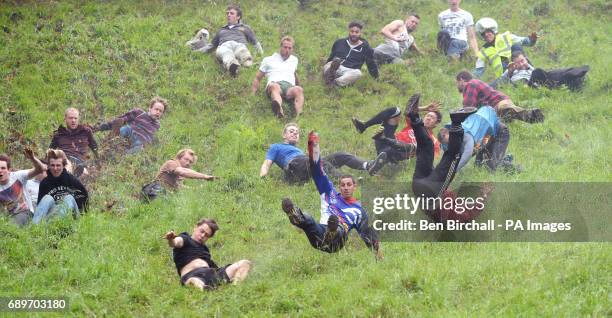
{"type": "Point", "coordinates": [107, 57]}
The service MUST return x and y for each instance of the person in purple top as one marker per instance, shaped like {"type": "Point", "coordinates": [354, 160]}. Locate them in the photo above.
{"type": "Point", "coordinates": [340, 212]}
{"type": "Point", "coordinates": [294, 162]}
{"type": "Point", "coordinates": [138, 126]}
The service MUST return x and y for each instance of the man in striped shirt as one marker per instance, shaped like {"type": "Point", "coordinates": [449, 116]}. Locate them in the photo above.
{"type": "Point", "coordinates": [138, 126]}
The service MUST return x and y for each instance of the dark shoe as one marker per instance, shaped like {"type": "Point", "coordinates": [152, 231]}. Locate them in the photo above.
{"type": "Point", "coordinates": [536, 116]}
{"type": "Point", "coordinates": [461, 114]}
{"type": "Point", "coordinates": [379, 133]}
{"type": "Point", "coordinates": [359, 125]}
{"type": "Point", "coordinates": [233, 69]}
{"type": "Point", "coordinates": [295, 215]}
{"type": "Point", "coordinates": [330, 75]}
{"type": "Point", "coordinates": [375, 165]}
{"type": "Point", "coordinates": [276, 109]}
{"type": "Point", "coordinates": [413, 105]}
{"type": "Point", "coordinates": [332, 228]}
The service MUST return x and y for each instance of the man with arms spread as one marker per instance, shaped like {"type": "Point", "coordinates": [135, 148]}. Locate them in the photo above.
{"type": "Point", "coordinates": [477, 93]}
{"type": "Point", "coordinates": [343, 67]}
{"type": "Point", "coordinates": [280, 68]}
{"type": "Point", "coordinates": [294, 162]}
{"type": "Point", "coordinates": [138, 126]}
{"type": "Point", "coordinates": [194, 263]}
{"type": "Point", "coordinates": [60, 192]}
{"type": "Point", "coordinates": [456, 27]}
{"type": "Point", "coordinates": [74, 139]}
{"type": "Point", "coordinates": [340, 212]}
{"type": "Point", "coordinates": [172, 172]}
{"type": "Point", "coordinates": [230, 42]}
{"type": "Point", "coordinates": [398, 40]}
{"type": "Point", "coordinates": [13, 197]}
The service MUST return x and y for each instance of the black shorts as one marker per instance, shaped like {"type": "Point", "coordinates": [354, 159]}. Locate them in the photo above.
{"type": "Point", "coordinates": [211, 277]}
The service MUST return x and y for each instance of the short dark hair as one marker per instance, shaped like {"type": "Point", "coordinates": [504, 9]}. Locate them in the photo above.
{"type": "Point", "coordinates": [464, 75]}
{"type": "Point", "coordinates": [412, 14]}
{"type": "Point", "coordinates": [237, 9]}
{"type": "Point", "coordinates": [346, 176]}
{"type": "Point", "coordinates": [438, 116]}
{"type": "Point", "coordinates": [7, 159]}
{"type": "Point", "coordinates": [212, 224]}
{"type": "Point", "coordinates": [356, 24]}
{"type": "Point", "coordinates": [516, 54]}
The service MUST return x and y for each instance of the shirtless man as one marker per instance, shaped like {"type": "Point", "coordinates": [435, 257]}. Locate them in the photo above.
{"type": "Point", "coordinates": [398, 40]}
{"type": "Point", "coordinates": [194, 263]}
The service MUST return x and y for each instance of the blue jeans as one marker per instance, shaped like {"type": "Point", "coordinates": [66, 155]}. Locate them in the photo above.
{"type": "Point", "coordinates": [316, 235]}
{"type": "Point", "coordinates": [456, 48]}
{"type": "Point", "coordinates": [135, 144]}
{"type": "Point", "coordinates": [47, 208]}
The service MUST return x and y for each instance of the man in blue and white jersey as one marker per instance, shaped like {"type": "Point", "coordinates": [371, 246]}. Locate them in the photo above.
{"type": "Point", "coordinates": [340, 212]}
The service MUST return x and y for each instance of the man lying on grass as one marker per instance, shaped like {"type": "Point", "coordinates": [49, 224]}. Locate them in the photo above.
{"type": "Point", "coordinates": [194, 263]}
{"type": "Point", "coordinates": [340, 212]}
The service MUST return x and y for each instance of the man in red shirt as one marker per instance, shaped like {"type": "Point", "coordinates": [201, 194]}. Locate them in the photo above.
{"type": "Point", "coordinates": [477, 93]}
{"type": "Point", "coordinates": [401, 145]}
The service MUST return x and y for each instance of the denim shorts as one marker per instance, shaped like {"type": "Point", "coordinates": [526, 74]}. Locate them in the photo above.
{"type": "Point", "coordinates": [456, 47]}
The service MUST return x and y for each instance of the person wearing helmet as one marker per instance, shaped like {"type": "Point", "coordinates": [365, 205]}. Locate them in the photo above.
{"type": "Point", "coordinates": [498, 48]}
{"type": "Point", "coordinates": [456, 27]}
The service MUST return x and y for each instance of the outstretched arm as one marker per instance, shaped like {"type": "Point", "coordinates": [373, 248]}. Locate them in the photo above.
{"type": "Point", "coordinates": [319, 177]}
{"type": "Point", "coordinates": [38, 166]}
{"type": "Point", "coordinates": [173, 240]}
{"type": "Point", "coordinates": [370, 238]}
{"type": "Point", "coordinates": [265, 167]}
{"type": "Point", "coordinates": [192, 174]}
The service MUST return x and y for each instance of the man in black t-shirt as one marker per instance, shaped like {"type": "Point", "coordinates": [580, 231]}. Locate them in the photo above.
{"type": "Point", "coordinates": [194, 263]}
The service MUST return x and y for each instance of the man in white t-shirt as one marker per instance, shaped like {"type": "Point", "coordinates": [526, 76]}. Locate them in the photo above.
{"type": "Point", "coordinates": [456, 34]}
{"type": "Point", "coordinates": [398, 40]}
{"type": "Point", "coordinates": [280, 68]}
{"type": "Point", "coordinates": [13, 197]}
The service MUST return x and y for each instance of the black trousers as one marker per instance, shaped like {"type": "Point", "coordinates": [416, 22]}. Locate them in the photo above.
{"type": "Point", "coordinates": [428, 181]}
{"type": "Point", "coordinates": [298, 170]}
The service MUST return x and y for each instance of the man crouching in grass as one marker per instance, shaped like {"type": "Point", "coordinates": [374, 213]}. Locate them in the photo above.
{"type": "Point", "coordinates": [194, 263]}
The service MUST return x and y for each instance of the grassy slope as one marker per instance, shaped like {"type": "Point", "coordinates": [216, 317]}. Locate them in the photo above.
{"type": "Point", "coordinates": [110, 57]}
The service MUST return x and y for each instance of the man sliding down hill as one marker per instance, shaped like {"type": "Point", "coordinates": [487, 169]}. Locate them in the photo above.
{"type": "Point", "coordinates": [194, 263]}
{"type": "Point", "coordinates": [340, 212]}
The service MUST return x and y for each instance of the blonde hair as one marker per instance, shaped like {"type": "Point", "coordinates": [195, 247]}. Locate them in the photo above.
{"type": "Point", "coordinates": [290, 125]}
{"type": "Point", "coordinates": [71, 109]}
{"type": "Point", "coordinates": [160, 100]}
{"type": "Point", "coordinates": [188, 151]}
{"type": "Point", "coordinates": [287, 38]}
{"type": "Point", "coordinates": [57, 154]}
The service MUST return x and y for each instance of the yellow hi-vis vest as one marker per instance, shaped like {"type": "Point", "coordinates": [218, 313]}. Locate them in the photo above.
{"type": "Point", "coordinates": [493, 54]}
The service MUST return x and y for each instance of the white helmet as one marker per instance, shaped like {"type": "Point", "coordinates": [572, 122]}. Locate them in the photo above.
{"type": "Point", "coordinates": [485, 24]}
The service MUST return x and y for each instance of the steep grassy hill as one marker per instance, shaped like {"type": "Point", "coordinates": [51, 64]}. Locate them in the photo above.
{"type": "Point", "coordinates": [107, 57]}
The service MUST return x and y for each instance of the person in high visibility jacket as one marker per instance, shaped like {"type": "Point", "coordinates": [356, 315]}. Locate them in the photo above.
{"type": "Point", "coordinates": [498, 47]}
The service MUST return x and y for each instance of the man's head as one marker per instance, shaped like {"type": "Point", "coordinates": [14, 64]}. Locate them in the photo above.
{"type": "Point", "coordinates": [412, 21]}
{"type": "Point", "coordinates": [286, 47]}
{"type": "Point", "coordinates": [461, 80]}
{"type": "Point", "coordinates": [432, 119]}
{"type": "Point", "coordinates": [204, 229]}
{"type": "Point", "coordinates": [186, 157]}
{"type": "Point", "coordinates": [347, 186]}
{"type": "Point", "coordinates": [234, 14]}
{"type": "Point", "coordinates": [5, 168]}
{"type": "Point", "coordinates": [489, 36]}
{"type": "Point", "coordinates": [519, 60]}
{"type": "Point", "coordinates": [443, 136]}
{"type": "Point", "coordinates": [71, 118]}
{"type": "Point", "coordinates": [454, 3]}
{"type": "Point", "coordinates": [157, 107]}
{"type": "Point", "coordinates": [291, 133]}
{"type": "Point", "coordinates": [57, 161]}
{"type": "Point", "coordinates": [355, 31]}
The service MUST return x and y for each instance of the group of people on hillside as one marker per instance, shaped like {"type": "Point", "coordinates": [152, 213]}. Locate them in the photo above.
{"type": "Point", "coordinates": [52, 186]}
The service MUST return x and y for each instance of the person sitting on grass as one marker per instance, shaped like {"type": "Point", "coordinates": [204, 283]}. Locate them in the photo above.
{"type": "Point", "coordinates": [294, 162]}
{"type": "Point", "coordinates": [13, 198]}
{"type": "Point", "coordinates": [340, 212]}
{"type": "Point", "coordinates": [194, 262]}
{"type": "Point", "coordinates": [402, 145]}
{"type": "Point", "coordinates": [429, 182]}
{"type": "Point", "coordinates": [283, 83]}
{"type": "Point", "coordinates": [172, 172]}
{"type": "Point", "coordinates": [74, 140]}
{"type": "Point", "coordinates": [137, 126]}
{"type": "Point", "coordinates": [60, 193]}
